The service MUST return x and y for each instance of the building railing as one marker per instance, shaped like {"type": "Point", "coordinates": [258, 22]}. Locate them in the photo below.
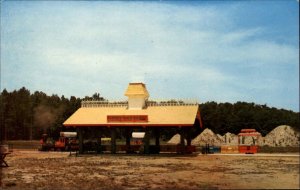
{"type": "Point", "coordinates": [149, 103]}
{"type": "Point", "coordinates": [172, 102]}
{"type": "Point", "coordinates": [91, 103]}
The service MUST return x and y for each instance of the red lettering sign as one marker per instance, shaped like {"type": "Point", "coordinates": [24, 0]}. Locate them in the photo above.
{"type": "Point", "coordinates": [127, 118]}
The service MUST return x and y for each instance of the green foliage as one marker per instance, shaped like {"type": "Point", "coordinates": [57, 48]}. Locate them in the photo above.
{"type": "Point", "coordinates": [26, 116]}
{"type": "Point", "coordinates": [226, 117]}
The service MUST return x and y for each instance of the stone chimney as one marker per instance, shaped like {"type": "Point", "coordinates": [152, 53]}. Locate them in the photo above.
{"type": "Point", "coordinates": [137, 96]}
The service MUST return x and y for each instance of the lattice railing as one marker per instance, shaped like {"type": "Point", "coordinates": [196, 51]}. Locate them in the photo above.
{"type": "Point", "coordinates": [89, 103]}
{"type": "Point", "coordinates": [186, 102]}
{"type": "Point", "coordinates": [104, 104]}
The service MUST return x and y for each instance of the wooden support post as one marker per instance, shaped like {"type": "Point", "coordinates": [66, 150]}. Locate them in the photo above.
{"type": "Point", "coordinates": [80, 138]}
{"type": "Point", "coordinates": [157, 143]}
{"type": "Point", "coordinates": [98, 137]}
{"type": "Point", "coordinates": [188, 137]}
{"type": "Point", "coordinates": [113, 140]}
{"type": "Point", "coordinates": [147, 141]}
{"type": "Point", "coordinates": [128, 136]}
{"type": "Point", "coordinates": [182, 141]}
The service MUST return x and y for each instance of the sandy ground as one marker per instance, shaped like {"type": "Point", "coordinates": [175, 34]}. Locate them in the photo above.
{"type": "Point", "coordinates": [58, 170]}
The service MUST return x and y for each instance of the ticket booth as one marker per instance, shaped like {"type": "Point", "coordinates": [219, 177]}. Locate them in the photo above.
{"type": "Point", "coordinates": [251, 148]}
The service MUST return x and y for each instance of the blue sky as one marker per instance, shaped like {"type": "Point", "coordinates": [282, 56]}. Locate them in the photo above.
{"type": "Point", "coordinates": [212, 51]}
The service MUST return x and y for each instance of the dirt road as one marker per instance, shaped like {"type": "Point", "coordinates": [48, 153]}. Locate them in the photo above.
{"type": "Point", "coordinates": [57, 170]}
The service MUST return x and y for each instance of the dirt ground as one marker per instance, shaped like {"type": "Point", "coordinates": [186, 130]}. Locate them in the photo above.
{"type": "Point", "coordinates": [31, 169]}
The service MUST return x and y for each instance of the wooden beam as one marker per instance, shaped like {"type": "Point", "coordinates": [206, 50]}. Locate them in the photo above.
{"type": "Point", "coordinates": [147, 141]}
{"type": "Point", "coordinates": [157, 143]}
{"type": "Point", "coordinates": [182, 146]}
{"type": "Point", "coordinates": [98, 137]}
{"type": "Point", "coordinates": [128, 137]}
{"type": "Point", "coordinates": [188, 137]}
{"type": "Point", "coordinates": [157, 135]}
{"type": "Point", "coordinates": [113, 140]}
{"type": "Point", "coordinates": [80, 138]}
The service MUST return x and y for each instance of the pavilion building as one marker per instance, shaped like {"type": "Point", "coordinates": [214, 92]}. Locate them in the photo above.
{"type": "Point", "coordinates": [138, 113]}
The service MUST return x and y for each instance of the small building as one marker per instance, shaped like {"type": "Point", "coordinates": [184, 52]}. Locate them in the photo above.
{"type": "Point", "coordinates": [138, 113]}
{"type": "Point", "coordinates": [248, 148]}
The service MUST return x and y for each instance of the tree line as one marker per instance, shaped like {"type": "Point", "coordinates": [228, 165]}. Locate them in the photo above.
{"type": "Point", "coordinates": [26, 116]}
{"type": "Point", "coordinates": [227, 117]}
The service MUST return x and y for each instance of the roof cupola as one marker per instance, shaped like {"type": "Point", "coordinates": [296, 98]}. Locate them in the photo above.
{"type": "Point", "coordinates": [137, 95]}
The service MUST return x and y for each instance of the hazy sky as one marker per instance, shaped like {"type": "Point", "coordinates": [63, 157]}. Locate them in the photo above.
{"type": "Point", "coordinates": [213, 51]}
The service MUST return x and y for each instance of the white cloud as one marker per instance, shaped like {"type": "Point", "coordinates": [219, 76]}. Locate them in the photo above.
{"type": "Point", "coordinates": [108, 45]}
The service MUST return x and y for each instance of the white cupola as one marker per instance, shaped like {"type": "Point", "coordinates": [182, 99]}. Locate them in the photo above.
{"type": "Point", "coordinates": [137, 95]}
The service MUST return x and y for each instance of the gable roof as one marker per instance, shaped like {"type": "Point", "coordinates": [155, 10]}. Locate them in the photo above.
{"type": "Point", "coordinates": [156, 116]}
